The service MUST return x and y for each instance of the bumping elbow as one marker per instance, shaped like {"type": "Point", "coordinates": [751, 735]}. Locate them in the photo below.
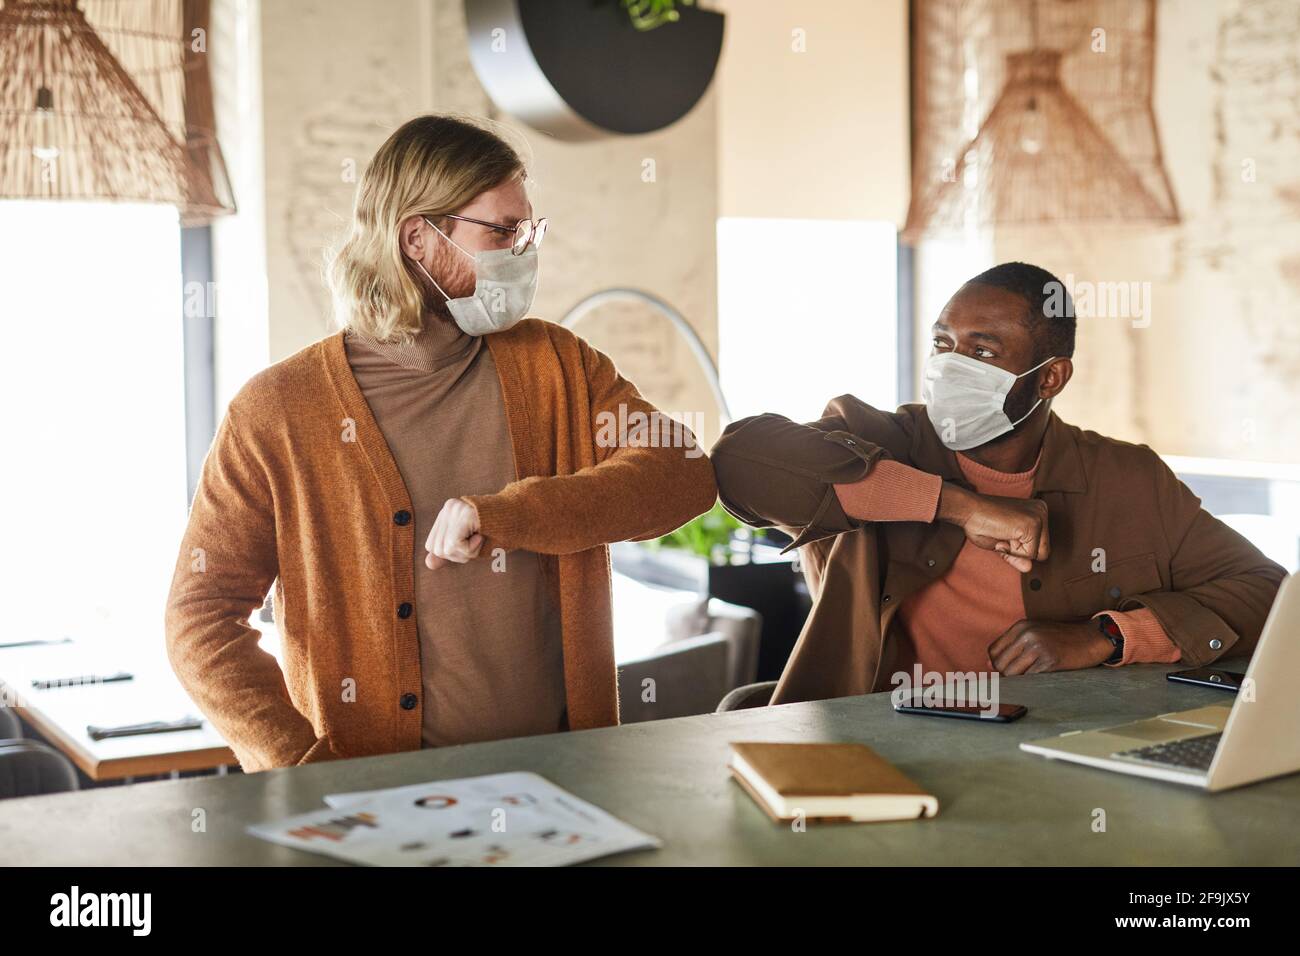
{"type": "Point", "coordinates": [730, 475]}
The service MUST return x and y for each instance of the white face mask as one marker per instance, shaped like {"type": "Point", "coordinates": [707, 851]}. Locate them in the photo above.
{"type": "Point", "coordinates": [966, 399]}
{"type": "Point", "coordinates": [504, 287]}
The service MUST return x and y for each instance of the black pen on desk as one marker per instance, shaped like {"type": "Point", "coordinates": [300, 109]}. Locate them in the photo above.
{"type": "Point", "coordinates": [83, 680]}
{"type": "Point", "coordinates": [152, 727]}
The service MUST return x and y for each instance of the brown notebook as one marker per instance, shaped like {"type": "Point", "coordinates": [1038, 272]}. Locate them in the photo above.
{"type": "Point", "coordinates": [827, 782]}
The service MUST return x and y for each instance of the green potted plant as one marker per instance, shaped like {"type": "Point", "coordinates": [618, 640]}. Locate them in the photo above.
{"type": "Point", "coordinates": [737, 573]}
{"type": "Point", "coordinates": [715, 536]}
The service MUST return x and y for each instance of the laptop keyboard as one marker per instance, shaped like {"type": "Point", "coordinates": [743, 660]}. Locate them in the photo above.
{"type": "Point", "coordinates": [1192, 753]}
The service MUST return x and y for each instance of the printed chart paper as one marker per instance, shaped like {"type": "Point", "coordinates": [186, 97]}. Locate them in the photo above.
{"type": "Point", "coordinates": [504, 819]}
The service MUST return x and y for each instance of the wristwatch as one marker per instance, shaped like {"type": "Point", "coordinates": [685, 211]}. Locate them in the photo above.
{"type": "Point", "coordinates": [1110, 630]}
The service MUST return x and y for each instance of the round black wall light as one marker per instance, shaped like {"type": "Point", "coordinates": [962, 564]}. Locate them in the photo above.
{"type": "Point", "coordinates": [580, 69]}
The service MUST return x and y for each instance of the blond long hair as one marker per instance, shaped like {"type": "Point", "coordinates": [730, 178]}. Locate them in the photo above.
{"type": "Point", "coordinates": [432, 165]}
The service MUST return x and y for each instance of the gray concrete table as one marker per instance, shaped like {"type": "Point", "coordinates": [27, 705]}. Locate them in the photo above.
{"type": "Point", "coordinates": [997, 805]}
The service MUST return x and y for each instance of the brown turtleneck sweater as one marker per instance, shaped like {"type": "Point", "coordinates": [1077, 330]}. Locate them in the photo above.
{"type": "Point", "coordinates": [491, 658]}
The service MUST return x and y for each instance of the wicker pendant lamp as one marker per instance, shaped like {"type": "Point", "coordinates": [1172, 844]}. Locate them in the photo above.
{"type": "Point", "coordinates": [76, 125]}
{"type": "Point", "coordinates": [1038, 157]}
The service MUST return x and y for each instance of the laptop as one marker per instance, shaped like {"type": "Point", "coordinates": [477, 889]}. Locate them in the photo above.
{"type": "Point", "coordinates": [1216, 747]}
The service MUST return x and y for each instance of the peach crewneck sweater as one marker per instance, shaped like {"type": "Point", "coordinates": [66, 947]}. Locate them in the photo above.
{"type": "Point", "coordinates": [951, 622]}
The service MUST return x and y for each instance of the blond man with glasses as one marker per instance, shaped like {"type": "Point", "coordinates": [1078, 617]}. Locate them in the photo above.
{"type": "Point", "coordinates": [425, 488]}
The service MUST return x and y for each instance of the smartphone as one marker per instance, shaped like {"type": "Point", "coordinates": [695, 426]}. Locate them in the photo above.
{"type": "Point", "coordinates": [1208, 677]}
{"type": "Point", "coordinates": [1004, 714]}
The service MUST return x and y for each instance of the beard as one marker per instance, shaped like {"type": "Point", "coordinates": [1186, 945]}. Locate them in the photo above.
{"type": "Point", "coordinates": [457, 278]}
{"type": "Point", "coordinates": [435, 308]}
{"type": "Point", "coordinates": [1019, 401]}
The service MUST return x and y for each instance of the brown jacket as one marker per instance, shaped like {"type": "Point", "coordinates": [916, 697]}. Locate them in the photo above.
{"type": "Point", "coordinates": [1107, 500]}
{"type": "Point", "coordinates": [299, 488]}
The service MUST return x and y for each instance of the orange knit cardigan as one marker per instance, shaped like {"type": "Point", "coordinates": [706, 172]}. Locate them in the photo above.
{"type": "Point", "coordinates": [299, 488]}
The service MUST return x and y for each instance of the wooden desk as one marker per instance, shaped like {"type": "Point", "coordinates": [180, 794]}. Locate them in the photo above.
{"type": "Point", "coordinates": [61, 714]}
{"type": "Point", "coordinates": [997, 805]}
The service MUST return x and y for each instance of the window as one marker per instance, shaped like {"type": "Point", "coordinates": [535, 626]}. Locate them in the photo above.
{"type": "Point", "coordinates": [807, 310]}
{"type": "Point", "coordinates": [93, 492]}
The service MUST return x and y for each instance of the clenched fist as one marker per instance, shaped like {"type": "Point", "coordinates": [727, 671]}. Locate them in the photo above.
{"type": "Point", "coordinates": [454, 536]}
{"type": "Point", "coordinates": [1014, 527]}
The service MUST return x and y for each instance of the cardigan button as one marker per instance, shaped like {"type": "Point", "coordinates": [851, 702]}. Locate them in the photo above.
{"type": "Point", "coordinates": [886, 599]}
{"type": "Point", "coordinates": [1115, 592]}
{"type": "Point", "coordinates": [404, 610]}
{"type": "Point", "coordinates": [1035, 584]}
{"type": "Point", "coordinates": [1215, 644]}
{"type": "Point", "coordinates": [929, 562]}
{"type": "Point", "coordinates": [402, 517]}
{"type": "Point", "coordinates": [409, 701]}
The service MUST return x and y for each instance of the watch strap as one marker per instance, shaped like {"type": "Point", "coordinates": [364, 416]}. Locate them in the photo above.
{"type": "Point", "coordinates": [1110, 630]}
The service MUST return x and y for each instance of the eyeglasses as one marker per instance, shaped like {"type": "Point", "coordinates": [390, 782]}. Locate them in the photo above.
{"type": "Point", "coordinates": [525, 230]}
